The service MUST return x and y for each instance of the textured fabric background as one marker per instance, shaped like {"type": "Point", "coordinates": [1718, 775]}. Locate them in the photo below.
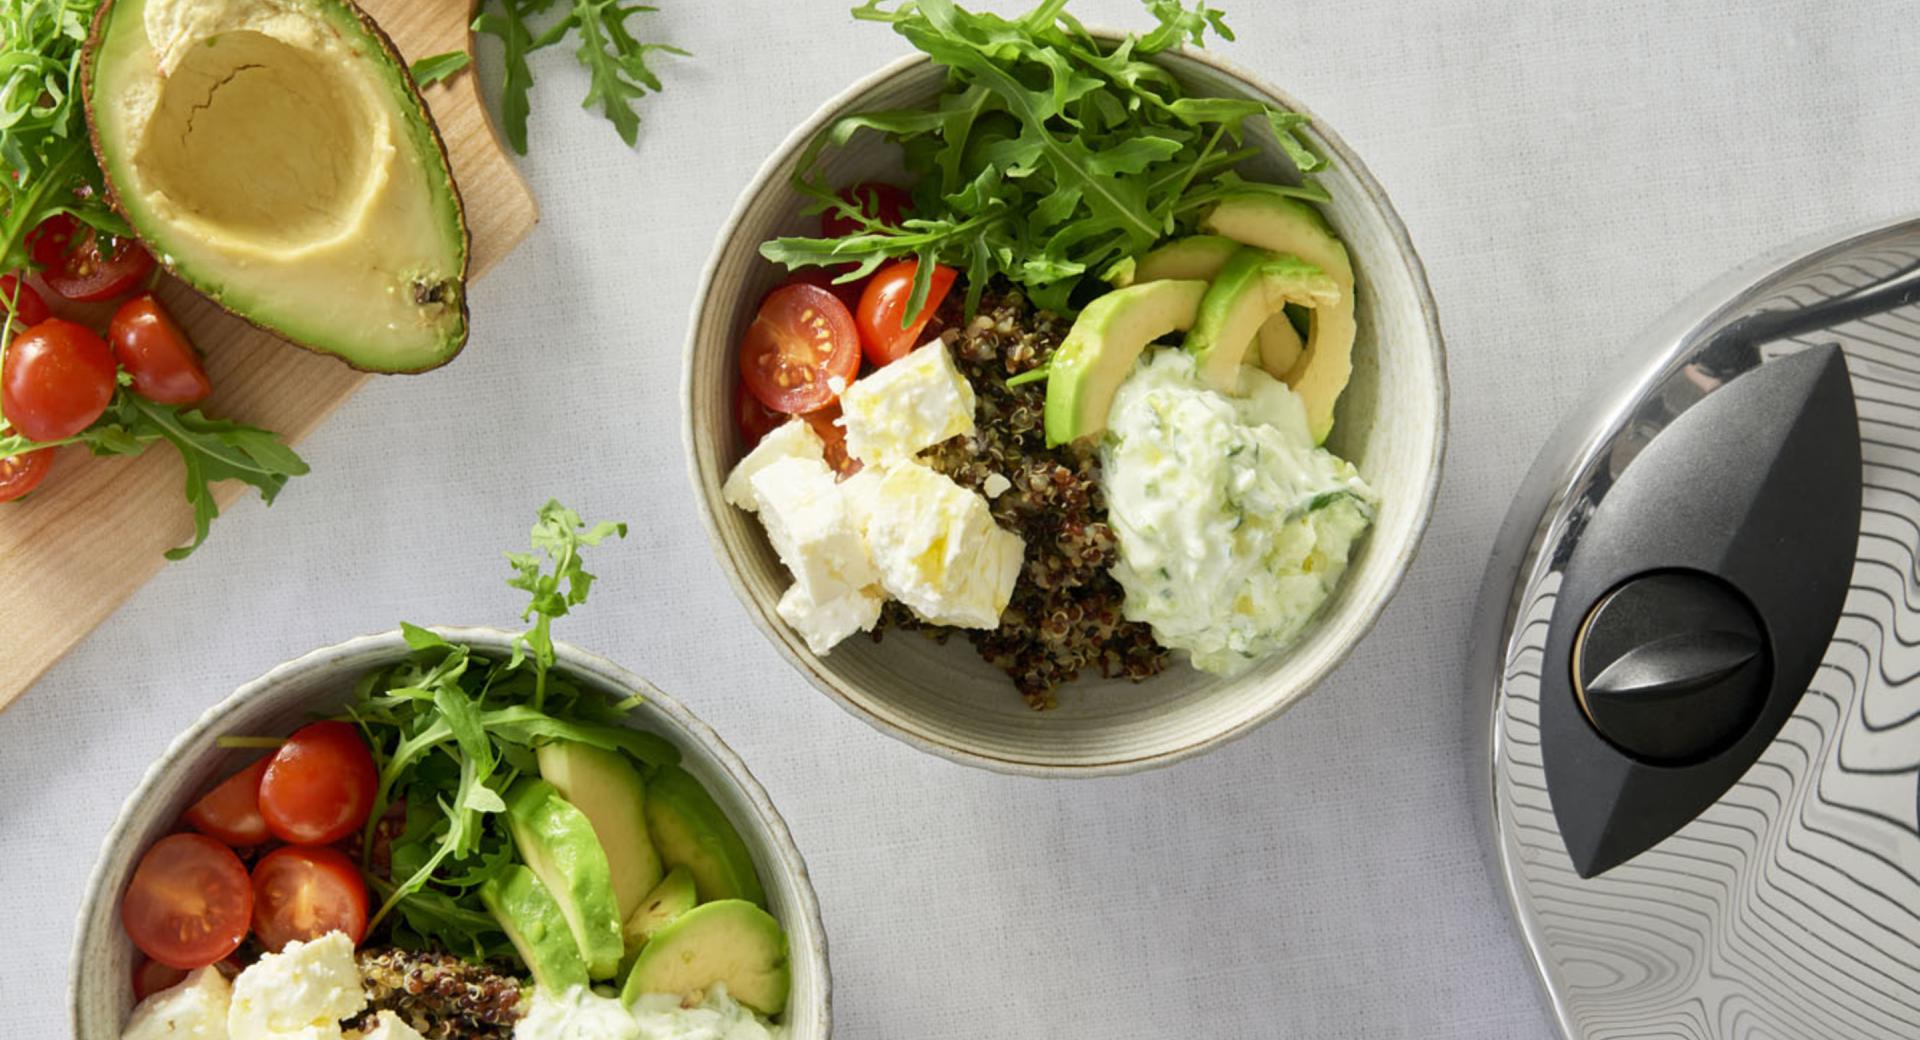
{"type": "Point", "coordinates": [1568, 171]}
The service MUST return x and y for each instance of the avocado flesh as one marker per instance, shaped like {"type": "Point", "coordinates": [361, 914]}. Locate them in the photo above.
{"type": "Point", "coordinates": [673, 896]}
{"type": "Point", "coordinates": [1253, 289]}
{"type": "Point", "coordinates": [558, 844]}
{"type": "Point", "coordinates": [536, 927]}
{"type": "Point", "coordinates": [1285, 225]}
{"type": "Point", "coordinates": [1099, 351]}
{"type": "Point", "coordinates": [730, 941]}
{"type": "Point", "coordinates": [608, 789]}
{"type": "Point", "coordinates": [1202, 257]}
{"type": "Point", "coordinates": [277, 157]}
{"type": "Point", "coordinates": [690, 830]}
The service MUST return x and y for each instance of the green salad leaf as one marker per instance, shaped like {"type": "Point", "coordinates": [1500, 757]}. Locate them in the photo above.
{"type": "Point", "coordinates": [616, 61]}
{"type": "Point", "coordinates": [1049, 154]}
{"type": "Point", "coordinates": [451, 730]}
{"type": "Point", "coordinates": [430, 70]}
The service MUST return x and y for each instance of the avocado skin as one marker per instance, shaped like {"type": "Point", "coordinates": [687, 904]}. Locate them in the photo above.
{"type": "Point", "coordinates": [1101, 347]}
{"type": "Point", "coordinates": [414, 113]}
{"type": "Point", "coordinates": [730, 941]}
{"type": "Point", "coordinates": [557, 842]}
{"type": "Point", "coordinates": [533, 922]}
{"type": "Point", "coordinates": [690, 829]}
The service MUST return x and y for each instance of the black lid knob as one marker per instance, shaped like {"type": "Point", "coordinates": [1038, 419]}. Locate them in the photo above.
{"type": "Point", "coordinates": [1672, 667]}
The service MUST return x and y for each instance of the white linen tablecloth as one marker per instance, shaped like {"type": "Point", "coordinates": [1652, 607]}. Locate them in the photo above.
{"type": "Point", "coordinates": [1568, 171]}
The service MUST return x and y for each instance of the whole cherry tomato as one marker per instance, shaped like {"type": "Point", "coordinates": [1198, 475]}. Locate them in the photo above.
{"type": "Point", "coordinates": [318, 788]}
{"type": "Point", "coordinates": [58, 378]}
{"type": "Point", "coordinates": [885, 334]}
{"type": "Point", "coordinates": [153, 350]}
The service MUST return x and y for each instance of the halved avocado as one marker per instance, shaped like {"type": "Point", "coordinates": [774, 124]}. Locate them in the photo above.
{"type": "Point", "coordinates": [1286, 225]}
{"type": "Point", "coordinates": [1101, 347]}
{"type": "Point", "coordinates": [608, 789]}
{"type": "Point", "coordinates": [557, 842]}
{"type": "Point", "coordinates": [1202, 257]}
{"type": "Point", "coordinates": [276, 156]}
{"type": "Point", "coordinates": [535, 925]}
{"type": "Point", "coordinates": [1251, 291]}
{"type": "Point", "coordinates": [691, 830]}
{"type": "Point", "coordinates": [731, 941]}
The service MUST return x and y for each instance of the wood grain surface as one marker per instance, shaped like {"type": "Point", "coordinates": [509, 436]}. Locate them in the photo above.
{"type": "Point", "coordinates": [74, 551]}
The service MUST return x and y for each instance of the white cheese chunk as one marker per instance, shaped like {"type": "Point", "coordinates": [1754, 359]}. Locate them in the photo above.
{"type": "Point", "coordinates": [907, 406]}
{"type": "Point", "coordinates": [996, 485]}
{"type": "Point", "coordinates": [194, 1009]}
{"type": "Point", "coordinates": [936, 547]}
{"type": "Point", "coordinates": [823, 625]}
{"type": "Point", "coordinates": [302, 991]}
{"type": "Point", "coordinates": [389, 1026]}
{"type": "Point", "coordinates": [794, 440]}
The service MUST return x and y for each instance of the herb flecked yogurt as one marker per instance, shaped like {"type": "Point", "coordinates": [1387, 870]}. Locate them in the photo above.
{"type": "Point", "coordinates": [1233, 526]}
{"type": "Point", "coordinates": [579, 1014]}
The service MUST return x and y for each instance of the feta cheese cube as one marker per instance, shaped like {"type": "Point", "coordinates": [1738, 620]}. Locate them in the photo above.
{"type": "Point", "coordinates": [302, 991]}
{"type": "Point", "coordinates": [195, 1009]}
{"type": "Point", "coordinates": [807, 521]}
{"type": "Point", "coordinates": [796, 439]}
{"type": "Point", "coordinates": [906, 407]}
{"type": "Point", "coordinates": [936, 547]}
{"type": "Point", "coordinates": [824, 624]}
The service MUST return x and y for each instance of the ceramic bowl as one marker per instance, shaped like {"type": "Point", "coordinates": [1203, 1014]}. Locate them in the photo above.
{"type": "Point", "coordinates": [293, 693]}
{"type": "Point", "coordinates": [942, 698]}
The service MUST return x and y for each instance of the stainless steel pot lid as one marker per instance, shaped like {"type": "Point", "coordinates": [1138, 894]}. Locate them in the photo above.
{"type": "Point", "coordinates": [1698, 658]}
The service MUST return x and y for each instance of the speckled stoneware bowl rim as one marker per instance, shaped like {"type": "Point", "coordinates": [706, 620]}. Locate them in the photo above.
{"type": "Point", "coordinates": [569, 659]}
{"type": "Point", "coordinates": [810, 666]}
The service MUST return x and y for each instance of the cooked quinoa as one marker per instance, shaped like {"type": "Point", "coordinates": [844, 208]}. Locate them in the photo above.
{"type": "Point", "coordinates": [1065, 612]}
{"type": "Point", "coordinates": [441, 996]}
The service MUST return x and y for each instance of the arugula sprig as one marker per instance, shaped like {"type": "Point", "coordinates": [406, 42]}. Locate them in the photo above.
{"type": "Point", "coordinates": [452, 730]}
{"type": "Point", "coordinates": [1049, 154]}
{"type": "Point", "coordinates": [616, 61]}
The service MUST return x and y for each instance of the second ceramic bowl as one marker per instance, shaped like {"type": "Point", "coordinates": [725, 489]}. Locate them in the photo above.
{"type": "Point", "coordinates": [293, 693]}
{"type": "Point", "coordinates": [943, 698]}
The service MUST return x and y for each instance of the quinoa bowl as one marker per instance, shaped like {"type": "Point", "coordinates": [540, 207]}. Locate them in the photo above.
{"type": "Point", "coordinates": [944, 695]}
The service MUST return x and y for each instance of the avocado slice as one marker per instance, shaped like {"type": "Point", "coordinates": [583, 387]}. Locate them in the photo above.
{"type": "Point", "coordinates": [1202, 257]}
{"type": "Point", "coordinates": [558, 844]}
{"type": "Point", "coordinates": [691, 831]}
{"type": "Point", "coordinates": [607, 788]}
{"type": "Point", "coordinates": [1253, 289]}
{"type": "Point", "coordinates": [673, 896]}
{"type": "Point", "coordinates": [536, 927]}
{"type": "Point", "coordinates": [276, 156]}
{"type": "Point", "coordinates": [1108, 336]}
{"type": "Point", "coordinates": [730, 941]}
{"type": "Point", "coordinates": [1286, 225]}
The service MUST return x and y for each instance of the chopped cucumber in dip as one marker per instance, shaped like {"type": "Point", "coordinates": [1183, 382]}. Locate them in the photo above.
{"type": "Point", "coordinates": [1233, 527]}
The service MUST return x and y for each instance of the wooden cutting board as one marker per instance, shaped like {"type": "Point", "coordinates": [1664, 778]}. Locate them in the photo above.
{"type": "Point", "coordinates": [75, 550]}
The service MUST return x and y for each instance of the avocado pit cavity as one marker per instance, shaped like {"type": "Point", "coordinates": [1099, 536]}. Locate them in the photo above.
{"type": "Point", "coordinates": [309, 166]}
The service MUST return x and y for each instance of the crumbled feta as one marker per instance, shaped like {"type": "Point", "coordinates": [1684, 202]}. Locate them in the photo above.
{"type": "Point", "coordinates": [796, 439]}
{"type": "Point", "coordinates": [907, 406]}
{"type": "Point", "coordinates": [995, 485]}
{"type": "Point", "coordinates": [824, 624]}
{"type": "Point", "coordinates": [389, 1026]}
{"type": "Point", "coordinates": [303, 991]}
{"type": "Point", "coordinates": [195, 1009]}
{"type": "Point", "coordinates": [936, 547]}
{"type": "Point", "coordinates": [807, 521]}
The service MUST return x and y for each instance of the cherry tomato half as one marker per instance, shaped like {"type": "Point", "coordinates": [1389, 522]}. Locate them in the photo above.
{"type": "Point", "coordinates": [231, 811]}
{"type": "Point", "coordinates": [884, 335]}
{"type": "Point", "coordinates": [76, 269]}
{"type": "Point", "coordinates": [188, 903]}
{"type": "Point", "coordinates": [318, 788]}
{"type": "Point", "coordinates": [802, 339]}
{"type": "Point", "coordinates": [847, 292]}
{"type": "Point", "coordinates": [153, 350]}
{"type": "Point", "coordinates": [755, 420]}
{"type": "Point", "coordinates": [877, 199]}
{"type": "Point", "coordinates": [27, 307]}
{"type": "Point", "coordinates": [151, 976]}
{"type": "Point", "coordinates": [303, 892]}
{"type": "Point", "coordinates": [834, 438]}
{"type": "Point", "coordinates": [49, 243]}
{"type": "Point", "coordinates": [20, 474]}
{"type": "Point", "coordinates": [57, 380]}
